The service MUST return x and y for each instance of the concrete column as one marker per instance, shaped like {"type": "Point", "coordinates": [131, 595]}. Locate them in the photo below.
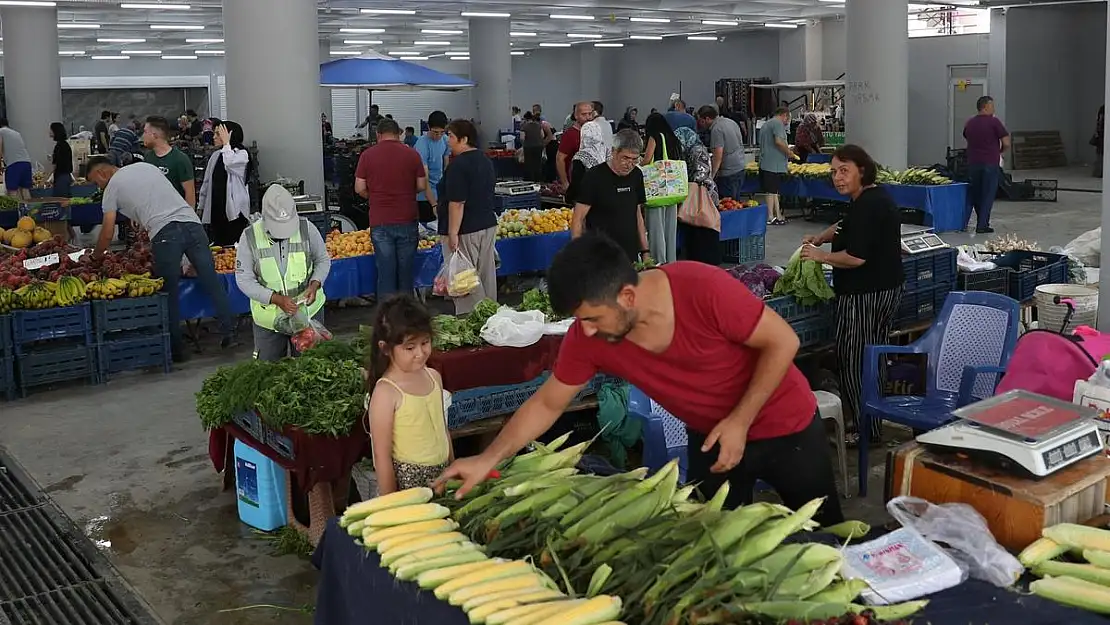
{"type": "Point", "coordinates": [325, 92]}
{"type": "Point", "coordinates": [814, 42]}
{"type": "Point", "coordinates": [32, 76]}
{"type": "Point", "coordinates": [273, 85]}
{"type": "Point", "coordinates": [491, 70]}
{"type": "Point", "coordinates": [996, 62]}
{"type": "Point", "coordinates": [1104, 294]}
{"type": "Point", "coordinates": [877, 94]}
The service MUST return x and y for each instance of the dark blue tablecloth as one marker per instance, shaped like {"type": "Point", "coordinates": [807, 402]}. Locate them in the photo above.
{"type": "Point", "coordinates": [819, 158]}
{"type": "Point", "coordinates": [355, 590]}
{"type": "Point", "coordinates": [944, 205]}
{"type": "Point", "coordinates": [77, 190]}
{"type": "Point", "coordinates": [79, 215]}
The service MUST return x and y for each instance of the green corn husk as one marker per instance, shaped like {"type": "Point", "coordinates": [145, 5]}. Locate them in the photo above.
{"type": "Point", "coordinates": [848, 530]}
{"type": "Point", "coordinates": [844, 591]}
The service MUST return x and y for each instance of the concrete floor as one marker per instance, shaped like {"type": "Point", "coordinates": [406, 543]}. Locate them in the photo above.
{"type": "Point", "coordinates": [128, 461]}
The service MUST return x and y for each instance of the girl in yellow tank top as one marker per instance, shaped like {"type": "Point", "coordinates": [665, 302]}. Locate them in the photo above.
{"type": "Point", "coordinates": [408, 428]}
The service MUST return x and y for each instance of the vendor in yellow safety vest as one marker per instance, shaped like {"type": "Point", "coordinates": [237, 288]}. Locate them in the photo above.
{"type": "Point", "coordinates": [281, 263]}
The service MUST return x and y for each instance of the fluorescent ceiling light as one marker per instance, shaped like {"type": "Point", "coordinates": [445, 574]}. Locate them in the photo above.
{"type": "Point", "coordinates": [517, 33]}
{"type": "Point", "coordinates": [180, 57]}
{"type": "Point", "coordinates": [176, 27]}
{"type": "Point", "coordinates": [403, 53]}
{"type": "Point", "coordinates": [773, 25]}
{"type": "Point", "coordinates": [554, 45]}
{"type": "Point", "coordinates": [646, 37]}
{"type": "Point", "coordinates": [365, 31]}
{"type": "Point", "coordinates": [650, 20]}
{"type": "Point", "coordinates": [77, 26]}
{"type": "Point", "coordinates": [111, 40]}
{"type": "Point", "coordinates": [608, 45]}
{"type": "Point", "coordinates": [457, 53]}
{"type": "Point", "coordinates": [209, 52]}
{"type": "Point", "coordinates": [570, 16]}
{"type": "Point", "coordinates": [204, 41]}
{"type": "Point", "coordinates": [431, 43]}
{"type": "Point", "coordinates": [415, 58]}
{"type": "Point", "coordinates": [388, 11]}
{"type": "Point", "coordinates": [140, 52]}
{"type": "Point", "coordinates": [344, 53]}
{"type": "Point", "coordinates": [98, 57]}
{"type": "Point", "coordinates": [516, 53]}
{"type": "Point", "coordinates": [362, 42]}
{"type": "Point", "coordinates": [71, 53]}
{"type": "Point", "coordinates": [720, 23]}
{"type": "Point", "coordinates": [155, 7]}
{"type": "Point", "coordinates": [801, 21]}
{"type": "Point", "coordinates": [27, 3]}
{"type": "Point", "coordinates": [483, 14]}
{"type": "Point", "coordinates": [433, 31]}
{"type": "Point", "coordinates": [701, 38]}
{"type": "Point", "coordinates": [583, 36]}
{"type": "Point", "coordinates": [459, 58]}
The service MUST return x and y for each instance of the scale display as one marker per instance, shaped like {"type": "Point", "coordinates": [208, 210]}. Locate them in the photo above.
{"type": "Point", "coordinates": [516, 188]}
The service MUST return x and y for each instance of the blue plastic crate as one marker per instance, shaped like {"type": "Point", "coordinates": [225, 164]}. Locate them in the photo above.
{"type": "Point", "coordinates": [74, 362]}
{"type": "Point", "coordinates": [251, 423]}
{"type": "Point", "coordinates": [132, 352]}
{"type": "Point", "coordinates": [744, 250]}
{"type": "Point", "coordinates": [7, 378]}
{"type": "Point", "coordinates": [790, 309]}
{"type": "Point", "coordinates": [5, 335]}
{"type": "Point", "coordinates": [814, 330]}
{"type": "Point", "coordinates": [1032, 269]}
{"type": "Point", "coordinates": [131, 313]}
{"type": "Point", "coordinates": [509, 202]}
{"type": "Point", "coordinates": [475, 404]}
{"type": "Point", "coordinates": [29, 326]}
{"type": "Point", "coordinates": [921, 305]}
{"type": "Point", "coordinates": [930, 268]}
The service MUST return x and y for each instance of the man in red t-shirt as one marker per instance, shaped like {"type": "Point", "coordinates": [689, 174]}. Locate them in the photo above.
{"type": "Point", "coordinates": [389, 175]}
{"type": "Point", "coordinates": [571, 140]}
{"type": "Point", "coordinates": [695, 340]}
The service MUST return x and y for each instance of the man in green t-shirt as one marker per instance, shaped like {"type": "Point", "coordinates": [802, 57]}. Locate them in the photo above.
{"type": "Point", "coordinates": [177, 167]}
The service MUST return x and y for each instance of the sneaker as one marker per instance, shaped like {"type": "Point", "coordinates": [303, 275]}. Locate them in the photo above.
{"type": "Point", "coordinates": [987, 230]}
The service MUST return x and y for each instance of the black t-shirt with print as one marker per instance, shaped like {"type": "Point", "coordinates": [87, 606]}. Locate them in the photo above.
{"type": "Point", "coordinates": [614, 203]}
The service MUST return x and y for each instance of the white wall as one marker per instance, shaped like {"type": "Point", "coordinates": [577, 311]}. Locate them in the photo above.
{"type": "Point", "coordinates": [930, 58]}
{"type": "Point", "coordinates": [834, 47]}
{"type": "Point", "coordinates": [792, 55]}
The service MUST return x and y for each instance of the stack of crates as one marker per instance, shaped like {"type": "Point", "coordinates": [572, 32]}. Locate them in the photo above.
{"type": "Point", "coordinates": [523, 201]}
{"type": "Point", "coordinates": [53, 345]}
{"type": "Point", "coordinates": [930, 277]}
{"type": "Point", "coordinates": [814, 324]}
{"type": "Point", "coordinates": [131, 333]}
{"type": "Point", "coordinates": [745, 250]}
{"type": "Point", "coordinates": [7, 370]}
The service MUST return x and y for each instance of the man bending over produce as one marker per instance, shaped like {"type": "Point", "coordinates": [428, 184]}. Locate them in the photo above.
{"type": "Point", "coordinates": [695, 340]}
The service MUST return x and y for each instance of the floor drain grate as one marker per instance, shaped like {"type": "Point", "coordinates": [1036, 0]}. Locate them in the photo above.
{"type": "Point", "coordinates": [50, 573]}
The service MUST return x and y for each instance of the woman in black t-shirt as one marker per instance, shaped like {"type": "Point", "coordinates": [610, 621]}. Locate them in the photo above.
{"type": "Point", "coordinates": [62, 160]}
{"type": "Point", "coordinates": [866, 258]}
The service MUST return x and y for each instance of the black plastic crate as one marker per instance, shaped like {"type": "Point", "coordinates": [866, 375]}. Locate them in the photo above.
{"type": "Point", "coordinates": [790, 309]}
{"type": "Point", "coordinates": [133, 352]}
{"type": "Point", "coordinates": [280, 443]}
{"type": "Point", "coordinates": [131, 313]}
{"type": "Point", "coordinates": [31, 326]}
{"type": "Point", "coordinates": [76, 362]}
{"type": "Point", "coordinates": [5, 335]}
{"type": "Point", "coordinates": [1032, 269]}
{"type": "Point", "coordinates": [814, 330]}
{"type": "Point", "coordinates": [250, 423]}
{"type": "Point", "coordinates": [523, 201]}
{"type": "Point", "coordinates": [751, 249]}
{"type": "Point", "coordinates": [7, 377]}
{"type": "Point", "coordinates": [991, 281]}
{"type": "Point", "coordinates": [929, 268]}
{"type": "Point", "coordinates": [321, 220]}
{"type": "Point", "coordinates": [921, 305]}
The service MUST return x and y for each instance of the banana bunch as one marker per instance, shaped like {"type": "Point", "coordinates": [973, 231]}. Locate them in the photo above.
{"type": "Point", "coordinates": [809, 170]}
{"type": "Point", "coordinates": [38, 295]}
{"type": "Point", "coordinates": [70, 291]}
{"type": "Point", "coordinates": [143, 286]}
{"type": "Point", "coordinates": [107, 288]}
{"type": "Point", "coordinates": [8, 301]}
{"type": "Point", "coordinates": [133, 277]}
{"type": "Point", "coordinates": [912, 176]}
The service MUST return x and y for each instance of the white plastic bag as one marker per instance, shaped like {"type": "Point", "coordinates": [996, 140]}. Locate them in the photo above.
{"type": "Point", "coordinates": [510, 328]}
{"type": "Point", "coordinates": [900, 566]}
{"type": "Point", "coordinates": [964, 532]}
{"type": "Point", "coordinates": [1086, 248]}
{"type": "Point", "coordinates": [457, 277]}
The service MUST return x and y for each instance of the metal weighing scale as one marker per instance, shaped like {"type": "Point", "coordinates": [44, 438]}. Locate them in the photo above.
{"type": "Point", "coordinates": [918, 239]}
{"type": "Point", "coordinates": [1026, 433]}
{"type": "Point", "coordinates": [309, 204]}
{"type": "Point", "coordinates": [516, 188]}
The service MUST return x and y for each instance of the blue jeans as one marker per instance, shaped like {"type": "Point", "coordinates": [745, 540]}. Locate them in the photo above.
{"type": "Point", "coordinates": [729, 186]}
{"type": "Point", "coordinates": [179, 239]}
{"type": "Point", "coordinates": [395, 253]}
{"type": "Point", "coordinates": [981, 193]}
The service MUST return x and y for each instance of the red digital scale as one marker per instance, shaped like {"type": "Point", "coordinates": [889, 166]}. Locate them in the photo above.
{"type": "Point", "coordinates": [1022, 431]}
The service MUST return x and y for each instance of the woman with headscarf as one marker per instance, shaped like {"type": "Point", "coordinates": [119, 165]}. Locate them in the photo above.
{"type": "Point", "coordinates": [699, 243]}
{"type": "Point", "coordinates": [224, 199]}
{"type": "Point", "coordinates": [808, 139]}
{"type": "Point", "coordinates": [592, 151]}
{"type": "Point", "coordinates": [629, 120]}
{"type": "Point", "coordinates": [661, 221]}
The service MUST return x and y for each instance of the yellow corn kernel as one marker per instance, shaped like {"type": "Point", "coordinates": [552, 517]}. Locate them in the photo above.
{"type": "Point", "coordinates": [518, 594]}
{"type": "Point", "coordinates": [410, 571]}
{"type": "Point", "coordinates": [433, 552]}
{"type": "Point", "coordinates": [1086, 572]}
{"type": "Point", "coordinates": [1073, 592]}
{"type": "Point", "coordinates": [598, 609]}
{"type": "Point", "coordinates": [421, 542]}
{"type": "Point", "coordinates": [500, 570]}
{"type": "Point", "coordinates": [1040, 550]}
{"type": "Point", "coordinates": [436, 526]}
{"type": "Point", "coordinates": [533, 613]}
{"type": "Point", "coordinates": [410, 497]}
{"type": "Point", "coordinates": [438, 577]}
{"type": "Point", "coordinates": [1101, 559]}
{"type": "Point", "coordinates": [527, 580]}
{"type": "Point", "coordinates": [1078, 536]}
{"type": "Point", "coordinates": [407, 514]}
{"type": "Point", "coordinates": [482, 612]}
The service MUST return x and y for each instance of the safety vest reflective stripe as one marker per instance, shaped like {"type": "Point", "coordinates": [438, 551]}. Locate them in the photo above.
{"type": "Point", "coordinates": [266, 267]}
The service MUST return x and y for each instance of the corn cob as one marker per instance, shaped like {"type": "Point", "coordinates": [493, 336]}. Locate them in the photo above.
{"type": "Point", "coordinates": [525, 595]}
{"type": "Point", "coordinates": [398, 539]}
{"type": "Point", "coordinates": [1073, 592]}
{"type": "Point", "coordinates": [410, 571]}
{"type": "Point", "coordinates": [597, 581]}
{"type": "Point", "coordinates": [437, 577]}
{"type": "Point", "coordinates": [488, 574]}
{"type": "Point", "coordinates": [1086, 572]}
{"type": "Point", "coordinates": [436, 526]}
{"type": "Point", "coordinates": [892, 612]}
{"type": "Point", "coordinates": [543, 463]}
{"type": "Point", "coordinates": [553, 477]}
{"type": "Point", "coordinates": [809, 610]}
{"type": "Point", "coordinates": [1040, 550]}
{"type": "Point", "coordinates": [665, 478]}
{"type": "Point", "coordinates": [355, 528]}
{"type": "Point", "coordinates": [805, 585]}
{"type": "Point", "coordinates": [533, 612]}
{"type": "Point", "coordinates": [1078, 536]}
{"type": "Point", "coordinates": [801, 558]}
{"type": "Point", "coordinates": [480, 613]}
{"type": "Point", "coordinates": [596, 610]}
{"type": "Point", "coordinates": [849, 530]}
{"type": "Point", "coordinates": [434, 552]}
{"type": "Point", "coordinates": [844, 591]}
{"type": "Point", "coordinates": [410, 497]}
{"type": "Point", "coordinates": [765, 540]}
{"type": "Point", "coordinates": [683, 494]}
{"type": "Point", "coordinates": [717, 503]}
{"type": "Point", "coordinates": [1101, 559]}
{"type": "Point", "coordinates": [419, 543]}
{"type": "Point", "coordinates": [407, 514]}
{"type": "Point", "coordinates": [602, 491]}
{"type": "Point", "coordinates": [526, 580]}
{"type": "Point", "coordinates": [534, 502]}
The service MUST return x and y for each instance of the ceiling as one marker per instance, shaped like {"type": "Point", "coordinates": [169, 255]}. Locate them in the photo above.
{"type": "Point", "coordinates": [615, 22]}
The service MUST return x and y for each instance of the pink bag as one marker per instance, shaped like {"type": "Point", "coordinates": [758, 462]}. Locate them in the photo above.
{"type": "Point", "coordinates": [698, 209]}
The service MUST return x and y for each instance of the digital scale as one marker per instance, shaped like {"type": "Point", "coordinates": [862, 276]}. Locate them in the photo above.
{"type": "Point", "coordinates": [516, 188]}
{"type": "Point", "coordinates": [918, 239]}
{"type": "Point", "coordinates": [1023, 432]}
{"type": "Point", "coordinates": [308, 204]}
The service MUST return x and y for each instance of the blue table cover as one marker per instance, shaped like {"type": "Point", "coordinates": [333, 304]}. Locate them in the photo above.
{"type": "Point", "coordinates": [79, 215]}
{"type": "Point", "coordinates": [745, 222]}
{"type": "Point", "coordinates": [819, 158]}
{"type": "Point", "coordinates": [944, 205]}
{"type": "Point", "coordinates": [355, 590]}
{"type": "Point", "coordinates": [81, 190]}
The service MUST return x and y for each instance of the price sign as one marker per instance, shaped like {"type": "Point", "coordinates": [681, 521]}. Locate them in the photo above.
{"type": "Point", "coordinates": [43, 261]}
{"type": "Point", "coordinates": [76, 256]}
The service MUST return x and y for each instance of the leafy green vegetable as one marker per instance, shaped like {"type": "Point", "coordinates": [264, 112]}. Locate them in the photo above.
{"type": "Point", "coordinates": [644, 266]}
{"type": "Point", "coordinates": [335, 350]}
{"type": "Point", "coordinates": [805, 280]}
{"type": "Point", "coordinates": [454, 332]}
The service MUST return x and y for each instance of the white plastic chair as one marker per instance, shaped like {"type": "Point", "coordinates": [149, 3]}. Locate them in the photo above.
{"type": "Point", "coordinates": [829, 407]}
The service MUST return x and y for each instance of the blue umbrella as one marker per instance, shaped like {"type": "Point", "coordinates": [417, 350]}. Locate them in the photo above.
{"type": "Point", "coordinates": [379, 72]}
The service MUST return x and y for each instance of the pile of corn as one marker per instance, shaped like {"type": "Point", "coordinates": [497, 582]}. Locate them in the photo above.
{"type": "Point", "coordinates": [1084, 583]}
{"type": "Point", "coordinates": [573, 546]}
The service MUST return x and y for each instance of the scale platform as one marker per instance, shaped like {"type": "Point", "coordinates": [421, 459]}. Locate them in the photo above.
{"type": "Point", "coordinates": [1023, 432]}
{"type": "Point", "coordinates": [516, 188]}
{"type": "Point", "coordinates": [919, 239]}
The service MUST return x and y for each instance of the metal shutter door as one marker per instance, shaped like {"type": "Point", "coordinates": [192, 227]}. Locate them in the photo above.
{"type": "Point", "coordinates": [344, 112]}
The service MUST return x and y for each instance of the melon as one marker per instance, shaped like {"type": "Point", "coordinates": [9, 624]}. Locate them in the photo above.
{"type": "Point", "coordinates": [6, 235]}
{"type": "Point", "coordinates": [26, 224]}
{"type": "Point", "coordinates": [42, 234]}
{"type": "Point", "coordinates": [22, 239]}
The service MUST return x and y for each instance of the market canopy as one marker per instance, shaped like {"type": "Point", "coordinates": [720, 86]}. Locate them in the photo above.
{"type": "Point", "coordinates": [384, 73]}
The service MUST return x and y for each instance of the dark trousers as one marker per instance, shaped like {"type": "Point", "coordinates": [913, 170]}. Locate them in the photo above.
{"type": "Point", "coordinates": [395, 252]}
{"type": "Point", "coordinates": [533, 164]}
{"type": "Point", "coordinates": [179, 239]}
{"type": "Point", "coordinates": [981, 193]}
{"type": "Point", "coordinates": [699, 244]}
{"type": "Point", "coordinates": [730, 185]}
{"type": "Point", "coordinates": [797, 466]}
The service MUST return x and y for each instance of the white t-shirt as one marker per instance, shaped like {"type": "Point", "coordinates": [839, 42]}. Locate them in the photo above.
{"type": "Point", "coordinates": [144, 195]}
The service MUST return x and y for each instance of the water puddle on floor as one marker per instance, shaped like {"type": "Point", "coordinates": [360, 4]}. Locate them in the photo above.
{"type": "Point", "coordinates": [110, 535]}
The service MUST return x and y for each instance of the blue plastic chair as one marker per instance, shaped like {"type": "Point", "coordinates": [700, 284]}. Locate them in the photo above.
{"type": "Point", "coordinates": [664, 435]}
{"type": "Point", "coordinates": [968, 347]}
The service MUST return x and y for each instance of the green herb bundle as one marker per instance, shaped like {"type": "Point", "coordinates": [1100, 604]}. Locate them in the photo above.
{"type": "Point", "coordinates": [805, 280]}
